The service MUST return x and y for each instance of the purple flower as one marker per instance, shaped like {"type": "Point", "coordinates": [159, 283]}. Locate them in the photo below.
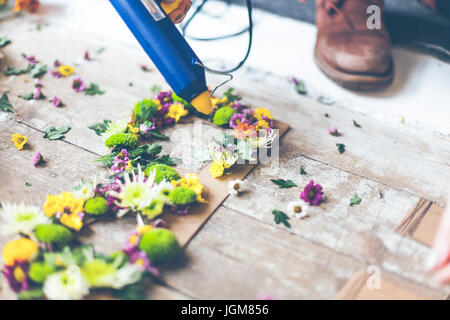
{"type": "Point", "coordinates": [78, 85]}
{"type": "Point", "coordinates": [86, 56]}
{"type": "Point", "coordinates": [57, 102]}
{"type": "Point", "coordinates": [269, 121]}
{"type": "Point", "coordinates": [37, 158]}
{"type": "Point", "coordinates": [333, 131]}
{"type": "Point", "coordinates": [160, 223]}
{"type": "Point", "coordinates": [31, 59]}
{"type": "Point", "coordinates": [55, 74]}
{"type": "Point", "coordinates": [312, 194]}
{"type": "Point", "coordinates": [140, 258]}
{"type": "Point", "coordinates": [236, 119]}
{"type": "Point", "coordinates": [121, 161]}
{"type": "Point", "coordinates": [56, 64]}
{"type": "Point", "coordinates": [164, 97]}
{"type": "Point", "coordinates": [38, 84]}
{"type": "Point", "coordinates": [181, 210]}
{"type": "Point", "coordinates": [294, 81]}
{"type": "Point", "coordinates": [17, 276]}
{"type": "Point", "coordinates": [37, 93]}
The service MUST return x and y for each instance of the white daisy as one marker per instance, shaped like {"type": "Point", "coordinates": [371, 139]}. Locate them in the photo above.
{"type": "Point", "coordinates": [237, 186]}
{"type": "Point", "coordinates": [136, 193]}
{"type": "Point", "coordinates": [19, 218]}
{"type": "Point", "coordinates": [116, 127]}
{"type": "Point", "coordinates": [297, 209]}
{"type": "Point", "coordinates": [85, 190]}
{"type": "Point", "coordinates": [66, 285]}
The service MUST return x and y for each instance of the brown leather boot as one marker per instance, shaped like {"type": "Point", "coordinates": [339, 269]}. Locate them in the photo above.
{"type": "Point", "coordinates": [347, 51]}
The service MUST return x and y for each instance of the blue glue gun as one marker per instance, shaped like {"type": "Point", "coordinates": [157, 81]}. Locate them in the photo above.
{"type": "Point", "coordinates": [168, 50]}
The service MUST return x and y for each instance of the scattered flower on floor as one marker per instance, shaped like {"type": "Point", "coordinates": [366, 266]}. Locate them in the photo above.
{"type": "Point", "coordinates": [66, 71]}
{"type": "Point", "coordinates": [333, 131]}
{"type": "Point", "coordinates": [236, 187]}
{"type": "Point", "coordinates": [57, 102]}
{"type": "Point", "coordinates": [78, 85]}
{"type": "Point", "coordinates": [297, 209]}
{"type": "Point", "coordinates": [37, 158]}
{"type": "Point", "coordinates": [87, 56]}
{"type": "Point", "coordinates": [19, 140]}
{"type": "Point", "coordinates": [312, 193]}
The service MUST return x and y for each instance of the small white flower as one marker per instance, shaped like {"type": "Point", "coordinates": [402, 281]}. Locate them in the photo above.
{"type": "Point", "coordinates": [20, 218]}
{"type": "Point", "coordinates": [85, 190]}
{"type": "Point", "coordinates": [237, 186]}
{"type": "Point", "coordinates": [66, 285]}
{"type": "Point", "coordinates": [126, 275]}
{"type": "Point", "coordinates": [119, 126]}
{"type": "Point", "coordinates": [297, 209]}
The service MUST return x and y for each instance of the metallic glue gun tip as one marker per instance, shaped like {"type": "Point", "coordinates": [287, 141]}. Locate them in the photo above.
{"type": "Point", "coordinates": [203, 103]}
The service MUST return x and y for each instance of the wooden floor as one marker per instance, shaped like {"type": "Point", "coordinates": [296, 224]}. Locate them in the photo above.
{"type": "Point", "coordinates": [240, 252]}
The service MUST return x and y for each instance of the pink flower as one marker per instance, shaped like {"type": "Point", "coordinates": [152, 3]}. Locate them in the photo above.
{"type": "Point", "coordinates": [333, 131]}
{"type": "Point", "coordinates": [38, 84]}
{"type": "Point", "coordinates": [86, 56]}
{"type": "Point", "coordinates": [55, 74]}
{"type": "Point", "coordinates": [78, 85]}
{"type": "Point", "coordinates": [57, 102]}
{"type": "Point", "coordinates": [31, 59]}
{"type": "Point", "coordinates": [37, 158]}
{"type": "Point", "coordinates": [312, 194]}
{"type": "Point", "coordinates": [37, 93]}
{"type": "Point", "coordinates": [144, 67]}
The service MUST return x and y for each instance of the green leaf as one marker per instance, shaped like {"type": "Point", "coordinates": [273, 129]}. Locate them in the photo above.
{"type": "Point", "coordinates": [130, 292]}
{"type": "Point", "coordinates": [4, 41]}
{"type": "Point", "coordinates": [101, 127]}
{"type": "Point", "coordinates": [356, 200]}
{"type": "Point", "coordinates": [55, 134]}
{"type": "Point", "coordinates": [281, 217]}
{"type": "Point", "coordinates": [145, 110]}
{"type": "Point", "coordinates": [5, 105]}
{"type": "Point", "coordinates": [356, 124]}
{"type": "Point", "coordinates": [167, 160]}
{"type": "Point", "coordinates": [37, 70]}
{"type": "Point", "coordinates": [302, 171]}
{"type": "Point", "coordinates": [283, 184]}
{"type": "Point", "coordinates": [300, 87]}
{"type": "Point", "coordinates": [27, 184]}
{"type": "Point", "coordinates": [100, 50]}
{"type": "Point", "coordinates": [30, 96]}
{"type": "Point", "coordinates": [11, 71]}
{"type": "Point", "coordinates": [93, 90]}
{"type": "Point", "coordinates": [341, 147]}
{"type": "Point", "coordinates": [231, 97]}
{"type": "Point", "coordinates": [158, 135]}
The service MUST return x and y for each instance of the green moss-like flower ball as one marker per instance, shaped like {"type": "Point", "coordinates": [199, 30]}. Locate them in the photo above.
{"type": "Point", "coordinates": [160, 244]}
{"type": "Point", "coordinates": [53, 233]}
{"type": "Point", "coordinates": [223, 116]}
{"type": "Point", "coordinates": [122, 140]}
{"type": "Point", "coordinates": [182, 195]}
{"type": "Point", "coordinates": [154, 210]}
{"type": "Point", "coordinates": [96, 206]}
{"type": "Point", "coordinates": [163, 172]}
{"type": "Point", "coordinates": [39, 271]}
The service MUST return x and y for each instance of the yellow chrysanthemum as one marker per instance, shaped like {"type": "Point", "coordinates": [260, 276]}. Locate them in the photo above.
{"type": "Point", "coordinates": [144, 229]}
{"type": "Point", "coordinates": [19, 140]}
{"type": "Point", "coordinates": [263, 124]}
{"type": "Point", "coordinates": [19, 250]}
{"type": "Point", "coordinates": [66, 71]}
{"type": "Point", "coordinates": [132, 129]}
{"type": "Point", "coordinates": [176, 111]}
{"type": "Point", "coordinates": [216, 169]}
{"type": "Point", "coordinates": [158, 103]}
{"type": "Point", "coordinates": [65, 202]}
{"type": "Point", "coordinates": [192, 182]}
{"type": "Point", "coordinates": [73, 221]}
{"type": "Point", "coordinates": [261, 113]}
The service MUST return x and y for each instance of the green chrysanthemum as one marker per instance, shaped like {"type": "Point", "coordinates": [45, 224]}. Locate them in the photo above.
{"type": "Point", "coordinates": [155, 209]}
{"type": "Point", "coordinates": [223, 116]}
{"type": "Point", "coordinates": [53, 233]}
{"type": "Point", "coordinates": [163, 172]}
{"type": "Point", "coordinates": [96, 206]}
{"type": "Point", "coordinates": [160, 244]}
{"type": "Point", "coordinates": [122, 140]}
{"type": "Point", "coordinates": [98, 272]}
{"type": "Point", "coordinates": [182, 196]}
{"type": "Point", "coordinates": [39, 271]}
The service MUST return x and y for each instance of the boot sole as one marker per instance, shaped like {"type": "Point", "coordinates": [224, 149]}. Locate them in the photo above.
{"type": "Point", "coordinates": [358, 82]}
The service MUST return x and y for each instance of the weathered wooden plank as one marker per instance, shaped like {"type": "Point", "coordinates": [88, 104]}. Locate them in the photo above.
{"type": "Point", "coordinates": [364, 232]}
{"type": "Point", "coordinates": [238, 257]}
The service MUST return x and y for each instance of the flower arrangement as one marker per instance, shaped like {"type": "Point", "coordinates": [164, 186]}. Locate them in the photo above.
{"type": "Point", "coordinates": [46, 261]}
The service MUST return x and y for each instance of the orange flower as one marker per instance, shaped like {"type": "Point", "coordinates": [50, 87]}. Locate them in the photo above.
{"type": "Point", "coordinates": [244, 130]}
{"type": "Point", "coordinates": [21, 5]}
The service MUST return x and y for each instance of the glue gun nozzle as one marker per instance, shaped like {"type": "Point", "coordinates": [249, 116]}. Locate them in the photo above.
{"type": "Point", "coordinates": [203, 103]}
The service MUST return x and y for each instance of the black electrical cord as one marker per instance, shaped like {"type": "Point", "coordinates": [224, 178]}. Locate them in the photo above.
{"type": "Point", "coordinates": [249, 30]}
